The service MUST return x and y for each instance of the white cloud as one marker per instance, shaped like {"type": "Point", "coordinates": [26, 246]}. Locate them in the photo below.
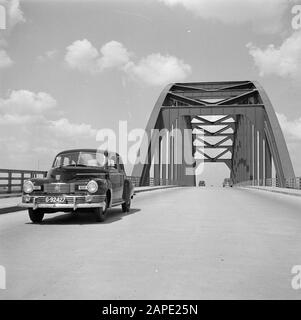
{"type": "Point", "coordinates": [154, 69]}
{"type": "Point", "coordinates": [13, 119]}
{"type": "Point", "coordinates": [114, 54]}
{"type": "Point", "coordinates": [264, 16]}
{"type": "Point", "coordinates": [157, 69]}
{"type": "Point", "coordinates": [24, 102]}
{"type": "Point", "coordinates": [5, 60]}
{"type": "Point", "coordinates": [63, 127]}
{"type": "Point", "coordinates": [48, 55]}
{"type": "Point", "coordinates": [29, 108]}
{"type": "Point", "coordinates": [15, 13]}
{"type": "Point", "coordinates": [284, 60]}
{"type": "Point", "coordinates": [82, 55]}
{"type": "Point", "coordinates": [291, 128]}
{"type": "Point", "coordinates": [30, 131]}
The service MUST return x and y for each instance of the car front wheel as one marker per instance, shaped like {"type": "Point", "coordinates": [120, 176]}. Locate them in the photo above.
{"type": "Point", "coordinates": [35, 215]}
{"type": "Point", "coordinates": [101, 213]}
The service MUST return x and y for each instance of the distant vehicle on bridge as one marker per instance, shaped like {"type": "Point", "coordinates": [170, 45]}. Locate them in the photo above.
{"type": "Point", "coordinates": [86, 179]}
{"type": "Point", "coordinates": [202, 183]}
{"type": "Point", "coordinates": [227, 182]}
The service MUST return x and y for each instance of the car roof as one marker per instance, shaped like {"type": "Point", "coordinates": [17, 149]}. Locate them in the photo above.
{"type": "Point", "coordinates": [87, 150]}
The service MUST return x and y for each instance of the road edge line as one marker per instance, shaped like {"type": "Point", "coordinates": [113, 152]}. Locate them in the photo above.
{"type": "Point", "coordinates": [274, 191]}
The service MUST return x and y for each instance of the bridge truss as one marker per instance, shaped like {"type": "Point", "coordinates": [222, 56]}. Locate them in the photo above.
{"type": "Point", "coordinates": [229, 122]}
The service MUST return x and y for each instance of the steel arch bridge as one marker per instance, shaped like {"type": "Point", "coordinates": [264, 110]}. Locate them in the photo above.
{"type": "Point", "coordinates": [232, 122]}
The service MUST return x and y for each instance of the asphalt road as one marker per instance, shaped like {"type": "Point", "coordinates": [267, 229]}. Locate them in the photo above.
{"type": "Point", "coordinates": [182, 243]}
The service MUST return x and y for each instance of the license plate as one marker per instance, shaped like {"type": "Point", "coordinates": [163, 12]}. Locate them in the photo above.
{"type": "Point", "coordinates": [55, 199]}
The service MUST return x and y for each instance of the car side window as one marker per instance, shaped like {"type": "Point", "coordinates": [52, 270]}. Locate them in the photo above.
{"type": "Point", "coordinates": [112, 162]}
{"type": "Point", "coordinates": [121, 166]}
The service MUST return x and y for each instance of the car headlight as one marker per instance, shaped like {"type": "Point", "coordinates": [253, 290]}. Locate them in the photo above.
{"type": "Point", "coordinates": [28, 186]}
{"type": "Point", "coordinates": [92, 186]}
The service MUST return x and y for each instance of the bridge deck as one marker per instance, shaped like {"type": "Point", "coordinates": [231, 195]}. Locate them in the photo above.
{"type": "Point", "coordinates": [175, 243]}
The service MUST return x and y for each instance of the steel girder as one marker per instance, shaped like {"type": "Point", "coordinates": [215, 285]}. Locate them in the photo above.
{"type": "Point", "coordinates": [241, 119]}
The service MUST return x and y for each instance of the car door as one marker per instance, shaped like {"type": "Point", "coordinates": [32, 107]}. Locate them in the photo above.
{"type": "Point", "coordinates": [115, 178]}
{"type": "Point", "coordinates": [122, 174]}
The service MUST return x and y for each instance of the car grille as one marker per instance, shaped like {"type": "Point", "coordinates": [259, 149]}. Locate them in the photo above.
{"type": "Point", "coordinates": [95, 199]}
{"type": "Point", "coordinates": [57, 188]}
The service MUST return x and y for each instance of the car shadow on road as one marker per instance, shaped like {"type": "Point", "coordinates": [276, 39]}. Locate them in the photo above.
{"type": "Point", "coordinates": [81, 218]}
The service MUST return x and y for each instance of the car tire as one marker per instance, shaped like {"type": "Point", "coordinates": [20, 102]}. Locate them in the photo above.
{"type": "Point", "coordinates": [101, 213]}
{"type": "Point", "coordinates": [35, 215]}
{"type": "Point", "coordinates": [126, 206]}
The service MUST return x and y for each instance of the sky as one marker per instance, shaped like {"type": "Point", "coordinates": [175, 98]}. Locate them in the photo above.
{"type": "Point", "coordinates": [69, 68]}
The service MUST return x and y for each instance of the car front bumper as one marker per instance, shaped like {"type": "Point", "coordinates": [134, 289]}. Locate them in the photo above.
{"type": "Point", "coordinates": [74, 202]}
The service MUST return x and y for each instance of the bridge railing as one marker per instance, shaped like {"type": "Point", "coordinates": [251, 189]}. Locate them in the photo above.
{"type": "Point", "coordinates": [11, 181]}
{"type": "Point", "coordinates": [292, 183]}
{"type": "Point", "coordinates": [150, 181]}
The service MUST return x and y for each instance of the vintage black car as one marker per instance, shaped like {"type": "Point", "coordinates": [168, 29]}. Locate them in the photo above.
{"type": "Point", "coordinates": [227, 182]}
{"type": "Point", "coordinates": [87, 179]}
{"type": "Point", "coordinates": [202, 183]}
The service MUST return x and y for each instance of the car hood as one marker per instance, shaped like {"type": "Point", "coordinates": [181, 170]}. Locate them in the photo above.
{"type": "Point", "coordinates": [72, 174]}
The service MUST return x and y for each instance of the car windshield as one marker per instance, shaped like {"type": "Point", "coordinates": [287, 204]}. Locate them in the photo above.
{"type": "Point", "coordinates": [80, 159]}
